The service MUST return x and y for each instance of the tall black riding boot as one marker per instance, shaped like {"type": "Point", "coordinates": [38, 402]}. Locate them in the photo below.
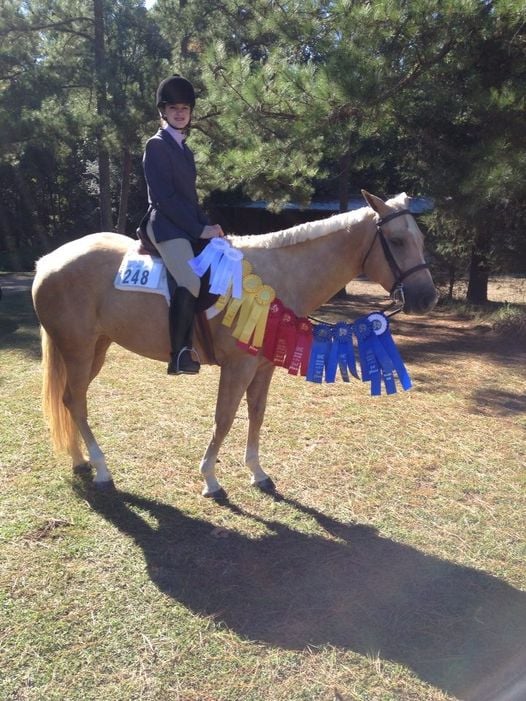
{"type": "Point", "coordinates": [182, 309]}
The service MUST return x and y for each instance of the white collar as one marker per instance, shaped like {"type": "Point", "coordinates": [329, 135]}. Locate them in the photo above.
{"type": "Point", "coordinates": [177, 135]}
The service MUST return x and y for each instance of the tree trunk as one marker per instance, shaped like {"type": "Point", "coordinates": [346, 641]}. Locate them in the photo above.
{"type": "Point", "coordinates": [479, 268]}
{"type": "Point", "coordinates": [343, 180]}
{"type": "Point", "coordinates": [8, 241]}
{"type": "Point", "coordinates": [100, 91]}
{"type": "Point", "coordinates": [125, 190]}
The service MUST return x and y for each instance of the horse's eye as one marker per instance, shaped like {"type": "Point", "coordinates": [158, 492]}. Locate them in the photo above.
{"type": "Point", "coordinates": [397, 242]}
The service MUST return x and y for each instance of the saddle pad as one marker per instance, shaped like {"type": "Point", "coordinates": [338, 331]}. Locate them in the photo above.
{"type": "Point", "coordinates": [142, 272]}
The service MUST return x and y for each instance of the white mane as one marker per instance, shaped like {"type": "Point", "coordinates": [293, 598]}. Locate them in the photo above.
{"type": "Point", "coordinates": [314, 229]}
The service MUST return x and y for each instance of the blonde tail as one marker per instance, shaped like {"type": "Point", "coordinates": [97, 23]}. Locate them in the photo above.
{"type": "Point", "coordinates": [65, 435]}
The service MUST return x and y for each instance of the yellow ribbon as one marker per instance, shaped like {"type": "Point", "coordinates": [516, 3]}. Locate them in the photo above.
{"type": "Point", "coordinates": [251, 286]}
{"type": "Point", "coordinates": [253, 308]}
{"type": "Point", "coordinates": [257, 319]}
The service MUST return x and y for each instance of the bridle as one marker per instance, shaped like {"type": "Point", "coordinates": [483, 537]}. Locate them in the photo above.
{"type": "Point", "coordinates": [397, 290]}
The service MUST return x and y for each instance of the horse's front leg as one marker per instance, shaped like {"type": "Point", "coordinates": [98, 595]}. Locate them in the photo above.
{"type": "Point", "coordinates": [233, 383]}
{"type": "Point", "coordinates": [257, 393]}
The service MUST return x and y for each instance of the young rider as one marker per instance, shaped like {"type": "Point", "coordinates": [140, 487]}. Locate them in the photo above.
{"type": "Point", "coordinates": [175, 217]}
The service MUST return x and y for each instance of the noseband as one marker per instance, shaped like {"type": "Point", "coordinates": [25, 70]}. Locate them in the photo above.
{"type": "Point", "coordinates": [397, 290]}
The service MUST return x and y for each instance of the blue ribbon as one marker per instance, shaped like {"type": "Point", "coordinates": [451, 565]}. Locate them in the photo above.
{"type": "Point", "coordinates": [364, 332]}
{"type": "Point", "coordinates": [341, 354]}
{"type": "Point", "coordinates": [388, 344]}
{"type": "Point", "coordinates": [320, 350]}
{"type": "Point", "coordinates": [379, 357]}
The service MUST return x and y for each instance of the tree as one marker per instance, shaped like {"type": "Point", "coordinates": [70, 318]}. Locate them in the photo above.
{"type": "Point", "coordinates": [99, 77]}
{"type": "Point", "coordinates": [463, 132]}
{"type": "Point", "coordinates": [85, 130]}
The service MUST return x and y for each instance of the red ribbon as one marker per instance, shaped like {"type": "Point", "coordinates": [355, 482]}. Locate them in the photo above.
{"type": "Point", "coordinates": [271, 329]}
{"type": "Point", "coordinates": [299, 362]}
{"type": "Point", "coordinates": [286, 339]}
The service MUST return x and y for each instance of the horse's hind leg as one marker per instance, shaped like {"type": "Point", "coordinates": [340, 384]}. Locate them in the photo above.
{"type": "Point", "coordinates": [257, 393]}
{"type": "Point", "coordinates": [81, 369]}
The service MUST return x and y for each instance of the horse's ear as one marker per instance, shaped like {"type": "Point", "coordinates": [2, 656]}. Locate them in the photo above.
{"type": "Point", "coordinates": [376, 203]}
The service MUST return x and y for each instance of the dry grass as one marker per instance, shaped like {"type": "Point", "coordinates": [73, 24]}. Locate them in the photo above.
{"type": "Point", "coordinates": [391, 566]}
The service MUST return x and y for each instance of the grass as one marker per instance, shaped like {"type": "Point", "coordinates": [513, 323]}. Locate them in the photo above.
{"type": "Point", "coordinates": [392, 566]}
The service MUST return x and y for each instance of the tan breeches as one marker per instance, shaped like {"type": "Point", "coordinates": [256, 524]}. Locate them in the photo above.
{"type": "Point", "coordinates": [176, 253]}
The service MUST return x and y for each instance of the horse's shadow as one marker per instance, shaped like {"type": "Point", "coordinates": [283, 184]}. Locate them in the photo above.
{"type": "Point", "coordinates": [457, 628]}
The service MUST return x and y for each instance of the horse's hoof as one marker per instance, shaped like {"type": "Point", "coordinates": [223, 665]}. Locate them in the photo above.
{"type": "Point", "coordinates": [108, 486]}
{"type": "Point", "coordinates": [83, 469]}
{"type": "Point", "coordinates": [266, 485]}
{"type": "Point", "coordinates": [218, 495]}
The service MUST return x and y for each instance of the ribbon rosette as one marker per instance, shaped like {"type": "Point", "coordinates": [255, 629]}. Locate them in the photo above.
{"type": "Point", "coordinates": [225, 263]}
{"type": "Point", "coordinates": [253, 314]}
{"type": "Point", "coordinates": [379, 357]}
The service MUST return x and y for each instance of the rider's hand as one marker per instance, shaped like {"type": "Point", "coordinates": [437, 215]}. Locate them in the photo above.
{"type": "Point", "coordinates": [212, 231]}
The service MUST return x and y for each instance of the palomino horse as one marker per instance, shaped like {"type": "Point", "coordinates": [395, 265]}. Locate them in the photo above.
{"type": "Point", "coordinates": [81, 314]}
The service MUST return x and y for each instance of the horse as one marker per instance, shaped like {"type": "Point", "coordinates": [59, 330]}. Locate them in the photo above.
{"type": "Point", "coordinates": [81, 314]}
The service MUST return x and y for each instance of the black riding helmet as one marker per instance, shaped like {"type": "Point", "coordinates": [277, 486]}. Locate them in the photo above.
{"type": "Point", "coordinates": [175, 89]}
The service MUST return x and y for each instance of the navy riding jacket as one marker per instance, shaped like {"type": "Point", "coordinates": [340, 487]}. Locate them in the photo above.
{"type": "Point", "coordinates": [170, 176]}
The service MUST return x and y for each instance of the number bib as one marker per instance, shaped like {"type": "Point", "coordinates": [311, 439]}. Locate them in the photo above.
{"type": "Point", "coordinates": [143, 273]}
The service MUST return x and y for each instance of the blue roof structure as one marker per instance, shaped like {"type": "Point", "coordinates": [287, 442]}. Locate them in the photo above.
{"type": "Point", "coordinates": [417, 205]}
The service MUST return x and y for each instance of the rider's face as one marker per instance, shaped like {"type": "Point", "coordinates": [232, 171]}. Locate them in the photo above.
{"type": "Point", "coordinates": [177, 115]}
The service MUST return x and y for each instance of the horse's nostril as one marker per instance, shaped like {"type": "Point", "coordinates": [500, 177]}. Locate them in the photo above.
{"type": "Point", "coordinates": [420, 303]}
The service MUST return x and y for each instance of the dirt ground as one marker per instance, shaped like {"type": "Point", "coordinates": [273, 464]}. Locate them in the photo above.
{"type": "Point", "coordinates": [364, 296]}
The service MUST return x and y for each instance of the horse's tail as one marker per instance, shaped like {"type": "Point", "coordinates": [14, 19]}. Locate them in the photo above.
{"type": "Point", "coordinates": [65, 435]}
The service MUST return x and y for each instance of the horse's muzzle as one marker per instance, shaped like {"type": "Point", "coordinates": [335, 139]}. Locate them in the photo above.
{"type": "Point", "coordinates": [415, 300]}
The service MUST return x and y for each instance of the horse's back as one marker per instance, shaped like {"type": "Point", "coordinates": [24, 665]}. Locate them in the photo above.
{"type": "Point", "coordinates": [82, 252]}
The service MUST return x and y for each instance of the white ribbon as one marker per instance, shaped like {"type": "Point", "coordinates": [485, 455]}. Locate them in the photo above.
{"type": "Point", "coordinates": [225, 265]}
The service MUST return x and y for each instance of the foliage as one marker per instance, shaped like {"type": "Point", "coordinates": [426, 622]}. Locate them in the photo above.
{"type": "Point", "coordinates": [319, 97]}
{"type": "Point", "coordinates": [47, 109]}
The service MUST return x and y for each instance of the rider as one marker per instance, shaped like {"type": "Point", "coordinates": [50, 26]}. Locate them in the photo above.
{"type": "Point", "coordinates": [175, 217]}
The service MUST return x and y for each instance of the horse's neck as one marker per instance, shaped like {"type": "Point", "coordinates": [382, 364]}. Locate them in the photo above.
{"type": "Point", "coordinates": [308, 274]}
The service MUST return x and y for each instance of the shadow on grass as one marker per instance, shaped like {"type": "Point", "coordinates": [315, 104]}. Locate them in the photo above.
{"type": "Point", "coordinates": [499, 403]}
{"type": "Point", "coordinates": [457, 628]}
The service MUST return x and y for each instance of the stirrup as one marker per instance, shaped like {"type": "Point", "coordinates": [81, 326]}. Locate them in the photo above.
{"type": "Point", "coordinates": [184, 364]}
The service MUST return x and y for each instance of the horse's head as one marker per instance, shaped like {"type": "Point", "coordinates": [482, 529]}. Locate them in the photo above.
{"type": "Point", "coordinates": [395, 256]}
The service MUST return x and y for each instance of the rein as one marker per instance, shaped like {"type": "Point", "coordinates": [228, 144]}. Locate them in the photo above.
{"type": "Point", "coordinates": [397, 290]}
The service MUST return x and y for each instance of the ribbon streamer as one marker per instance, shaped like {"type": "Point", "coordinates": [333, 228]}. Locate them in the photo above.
{"type": "Point", "coordinates": [341, 355]}
{"type": "Point", "coordinates": [232, 305]}
{"type": "Point", "coordinates": [383, 333]}
{"type": "Point", "coordinates": [285, 339]}
{"type": "Point", "coordinates": [276, 312]}
{"type": "Point", "coordinates": [321, 346]}
{"type": "Point", "coordinates": [299, 363]}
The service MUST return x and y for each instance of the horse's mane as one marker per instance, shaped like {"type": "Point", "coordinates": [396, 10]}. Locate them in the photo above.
{"type": "Point", "coordinates": [313, 229]}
